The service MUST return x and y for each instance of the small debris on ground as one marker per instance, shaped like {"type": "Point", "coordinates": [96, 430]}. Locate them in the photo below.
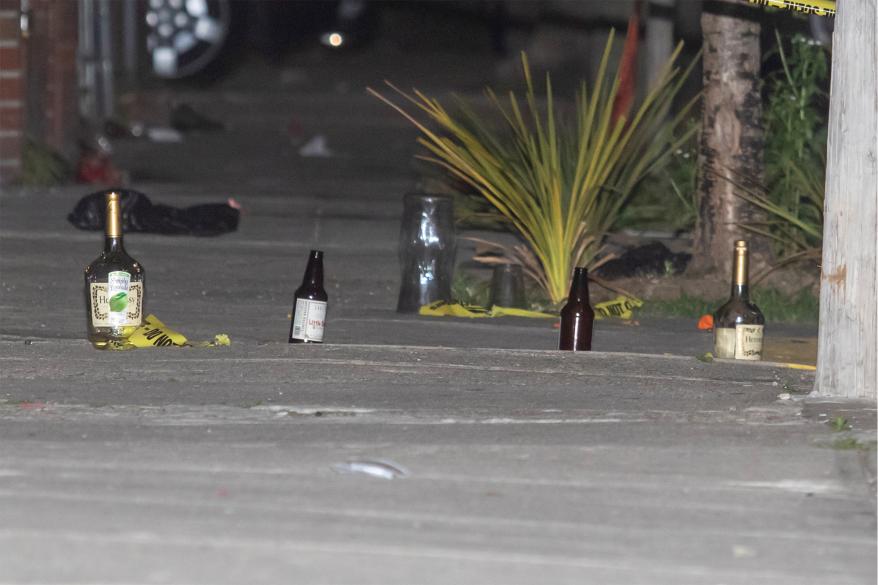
{"type": "Point", "coordinates": [382, 469]}
{"type": "Point", "coordinates": [163, 134]}
{"type": "Point", "coordinates": [316, 147]}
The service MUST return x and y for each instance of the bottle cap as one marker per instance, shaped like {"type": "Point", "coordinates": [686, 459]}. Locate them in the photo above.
{"type": "Point", "coordinates": [740, 264]}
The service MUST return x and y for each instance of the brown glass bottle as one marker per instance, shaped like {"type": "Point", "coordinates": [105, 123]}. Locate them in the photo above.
{"type": "Point", "coordinates": [577, 316]}
{"type": "Point", "coordinates": [738, 325]}
{"type": "Point", "coordinates": [309, 303]}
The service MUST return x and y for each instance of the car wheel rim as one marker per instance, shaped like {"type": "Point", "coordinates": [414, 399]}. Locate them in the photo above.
{"type": "Point", "coordinates": [184, 36]}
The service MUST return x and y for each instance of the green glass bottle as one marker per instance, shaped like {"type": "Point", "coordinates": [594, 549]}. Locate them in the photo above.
{"type": "Point", "coordinates": [114, 287]}
{"type": "Point", "coordinates": [739, 324]}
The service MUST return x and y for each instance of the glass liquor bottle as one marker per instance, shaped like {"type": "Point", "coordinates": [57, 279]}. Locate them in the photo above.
{"type": "Point", "coordinates": [739, 324]}
{"type": "Point", "coordinates": [309, 304]}
{"type": "Point", "coordinates": [577, 316]}
{"type": "Point", "coordinates": [114, 287]}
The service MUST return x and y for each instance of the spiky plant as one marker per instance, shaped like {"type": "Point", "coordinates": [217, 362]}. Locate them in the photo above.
{"type": "Point", "coordinates": [561, 183]}
{"type": "Point", "coordinates": [796, 228]}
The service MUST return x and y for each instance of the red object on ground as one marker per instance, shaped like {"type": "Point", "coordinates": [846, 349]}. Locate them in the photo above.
{"type": "Point", "coordinates": [705, 323]}
{"type": "Point", "coordinates": [95, 168]}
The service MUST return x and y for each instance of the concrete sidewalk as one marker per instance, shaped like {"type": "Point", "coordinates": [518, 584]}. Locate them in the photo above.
{"type": "Point", "coordinates": [217, 466]}
{"type": "Point", "coordinates": [521, 464]}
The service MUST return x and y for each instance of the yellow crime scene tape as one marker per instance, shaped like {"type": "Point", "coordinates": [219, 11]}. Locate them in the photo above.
{"type": "Point", "coordinates": [621, 307]}
{"type": "Point", "coordinates": [818, 7]}
{"type": "Point", "coordinates": [154, 333]}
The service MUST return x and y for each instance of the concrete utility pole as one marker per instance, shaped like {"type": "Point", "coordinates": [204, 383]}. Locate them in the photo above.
{"type": "Point", "coordinates": [847, 348]}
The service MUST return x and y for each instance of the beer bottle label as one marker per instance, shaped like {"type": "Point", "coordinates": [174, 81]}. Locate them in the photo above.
{"type": "Point", "coordinates": [309, 320]}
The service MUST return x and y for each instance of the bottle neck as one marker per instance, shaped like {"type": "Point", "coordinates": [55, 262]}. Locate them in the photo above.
{"type": "Point", "coordinates": [579, 286]}
{"type": "Point", "coordinates": [113, 225]}
{"type": "Point", "coordinates": [314, 270]}
{"type": "Point", "coordinates": [741, 291]}
{"type": "Point", "coordinates": [113, 244]}
{"type": "Point", "coordinates": [740, 276]}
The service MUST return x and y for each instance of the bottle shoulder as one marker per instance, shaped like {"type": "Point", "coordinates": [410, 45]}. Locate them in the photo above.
{"type": "Point", "coordinates": [311, 293]}
{"type": "Point", "coordinates": [117, 261]}
{"type": "Point", "coordinates": [738, 311]}
{"type": "Point", "coordinates": [577, 309]}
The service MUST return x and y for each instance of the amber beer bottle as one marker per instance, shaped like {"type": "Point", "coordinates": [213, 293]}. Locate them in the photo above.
{"type": "Point", "coordinates": [577, 316]}
{"type": "Point", "coordinates": [309, 303]}
{"type": "Point", "coordinates": [738, 324]}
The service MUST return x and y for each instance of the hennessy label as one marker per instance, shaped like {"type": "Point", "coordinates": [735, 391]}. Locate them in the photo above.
{"type": "Point", "coordinates": [748, 342]}
{"type": "Point", "coordinates": [117, 302]}
{"type": "Point", "coordinates": [744, 342]}
{"type": "Point", "coordinates": [309, 320]}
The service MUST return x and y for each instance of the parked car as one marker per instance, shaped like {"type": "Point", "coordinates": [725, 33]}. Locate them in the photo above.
{"type": "Point", "coordinates": [188, 37]}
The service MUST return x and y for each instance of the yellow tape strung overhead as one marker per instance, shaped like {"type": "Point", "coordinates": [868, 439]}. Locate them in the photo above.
{"type": "Point", "coordinates": [818, 7]}
{"type": "Point", "coordinates": [154, 333]}
{"type": "Point", "coordinates": [621, 307]}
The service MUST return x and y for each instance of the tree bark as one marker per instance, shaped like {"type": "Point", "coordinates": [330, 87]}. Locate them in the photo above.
{"type": "Point", "coordinates": [847, 350]}
{"type": "Point", "coordinates": [731, 137]}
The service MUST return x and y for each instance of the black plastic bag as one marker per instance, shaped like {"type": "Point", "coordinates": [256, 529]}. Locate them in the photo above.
{"type": "Point", "coordinates": [139, 214]}
{"type": "Point", "coordinates": [654, 259]}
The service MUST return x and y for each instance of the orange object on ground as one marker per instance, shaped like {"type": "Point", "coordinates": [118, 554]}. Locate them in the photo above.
{"type": "Point", "coordinates": [705, 323]}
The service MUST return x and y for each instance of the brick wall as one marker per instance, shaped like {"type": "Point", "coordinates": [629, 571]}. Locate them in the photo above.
{"type": "Point", "coordinates": [52, 76]}
{"type": "Point", "coordinates": [38, 80]}
{"type": "Point", "coordinates": [12, 112]}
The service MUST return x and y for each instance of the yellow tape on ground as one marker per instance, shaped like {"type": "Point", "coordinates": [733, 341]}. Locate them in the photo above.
{"type": "Point", "coordinates": [154, 333]}
{"type": "Point", "coordinates": [621, 307]}
{"type": "Point", "coordinates": [818, 7]}
{"type": "Point", "coordinates": [806, 367]}
{"type": "Point", "coordinates": [444, 309]}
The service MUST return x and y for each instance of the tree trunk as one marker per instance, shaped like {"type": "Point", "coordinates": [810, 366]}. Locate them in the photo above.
{"type": "Point", "coordinates": [847, 351]}
{"type": "Point", "coordinates": [731, 138]}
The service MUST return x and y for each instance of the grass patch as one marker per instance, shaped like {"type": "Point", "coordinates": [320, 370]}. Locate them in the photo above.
{"type": "Point", "coordinates": [682, 306]}
{"type": "Point", "coordinates": [803, 307]}
{"type": "Point", "coordinates": [840, 423]}
{"type": "Point", "coordinates": [853, 444]}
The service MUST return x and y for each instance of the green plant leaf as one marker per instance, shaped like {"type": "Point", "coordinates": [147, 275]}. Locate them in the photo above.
{"type": "Point", "coordinates": [560, 182]}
